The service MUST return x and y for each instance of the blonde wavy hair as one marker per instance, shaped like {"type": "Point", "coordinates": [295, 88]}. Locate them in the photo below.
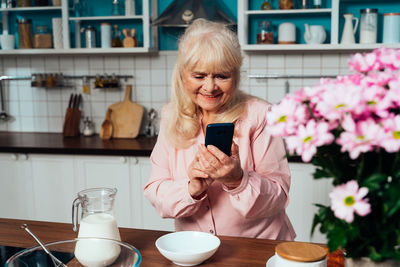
{"type": "Point", "coordinates": [210, 44]}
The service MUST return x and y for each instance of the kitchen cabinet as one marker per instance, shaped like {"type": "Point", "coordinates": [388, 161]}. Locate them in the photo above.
{"type": "Point", "coordinates": [53, 184]}
{"type": "Point", "coordinates": [330, 16]}
{"type": "Point", "coordinates": [141, 21]}
{"type": "Point", "coordinates": [304, 193]}
{"type": "Point", "coordinates": [16, 194]}
{"type": "Point", "coordinates": [43, 187]}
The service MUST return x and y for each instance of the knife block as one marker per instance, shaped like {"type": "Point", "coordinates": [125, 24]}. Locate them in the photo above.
{"type": "Point", "coordinates": [72, 122]}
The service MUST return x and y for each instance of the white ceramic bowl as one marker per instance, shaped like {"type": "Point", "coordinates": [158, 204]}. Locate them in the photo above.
{"type": "Point", "coordinates": [187, 248]}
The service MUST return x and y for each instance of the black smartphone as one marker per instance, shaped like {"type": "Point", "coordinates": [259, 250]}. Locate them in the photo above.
{"type": "Point", "coordinates": [220, 135]}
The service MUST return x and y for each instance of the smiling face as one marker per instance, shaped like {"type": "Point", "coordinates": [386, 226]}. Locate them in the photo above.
{"type": "Point", "coordinates": [208, 90]}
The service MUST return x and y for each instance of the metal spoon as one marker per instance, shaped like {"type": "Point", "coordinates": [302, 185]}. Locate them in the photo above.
{"type": "Point", "coordinates": [56, 261]}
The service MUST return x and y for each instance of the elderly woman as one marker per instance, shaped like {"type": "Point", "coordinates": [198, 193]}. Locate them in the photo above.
{"type": "Point", "coordinates": [202, 188]}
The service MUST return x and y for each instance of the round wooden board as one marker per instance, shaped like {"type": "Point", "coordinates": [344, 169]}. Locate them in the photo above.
{"type": "Point", "coordinates": [300, 251]}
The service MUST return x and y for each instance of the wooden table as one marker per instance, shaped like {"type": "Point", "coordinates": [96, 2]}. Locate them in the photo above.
{"type": "Point", "coordinates": [233, 251]}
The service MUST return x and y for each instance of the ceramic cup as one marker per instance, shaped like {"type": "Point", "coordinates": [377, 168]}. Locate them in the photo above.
{"type": "Point", "coordinates": [7, 41]}
{"type": "Point", "coordinates": [391, 29]}
{"type": "Point", "coordinates": [287, 33]}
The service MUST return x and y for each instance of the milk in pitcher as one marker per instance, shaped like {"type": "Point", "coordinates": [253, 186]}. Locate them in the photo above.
{"type": "Point", "coordinates": [98, 252]}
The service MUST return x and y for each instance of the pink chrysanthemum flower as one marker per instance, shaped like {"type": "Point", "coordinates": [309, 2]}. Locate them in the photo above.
{"type": "Point", "coordinates": [392, 128]}
{"type": "Point", "coordinates": [347, 199]}
{"type": "Point", "coordinates": [364, 62]}
{"type": "Point", "coordinates": [286, 117]}
{"type": "Point", "coordinates": [359, 137]}
{"type": "Point", "coordinates": [308, 138]}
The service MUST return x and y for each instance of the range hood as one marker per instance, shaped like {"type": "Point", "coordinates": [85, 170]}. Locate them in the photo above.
{"type": "Point", "coordinates": [180, 13]}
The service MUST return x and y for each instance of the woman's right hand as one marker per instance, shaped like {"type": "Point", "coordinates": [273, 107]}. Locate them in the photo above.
{"type": "Point", "coordinates": [199, 180]}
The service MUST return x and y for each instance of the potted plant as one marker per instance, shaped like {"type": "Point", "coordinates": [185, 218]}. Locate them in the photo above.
{"type": "Point", "coordinates": [349, 128]}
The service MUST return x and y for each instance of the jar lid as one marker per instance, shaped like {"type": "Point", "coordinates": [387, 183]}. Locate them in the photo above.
{"type": "Point", "coordinates": [300, 251]}
{"type": "Point", "coordinates": [369, 10]}
{"type": "Point", "coordinates": [21, 21]}
{"type": "Point", "coordinates": [392, 14]}
{"type": "Point", "coordinates": [265, 22]}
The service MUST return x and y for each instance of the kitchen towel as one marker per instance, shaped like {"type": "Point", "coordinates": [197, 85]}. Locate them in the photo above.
{"type": "Point", "coordinates": [57, 33]}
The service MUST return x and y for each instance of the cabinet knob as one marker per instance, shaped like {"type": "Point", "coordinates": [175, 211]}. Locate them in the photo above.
{"type": "Point", "coordinates": [135, 160]}
{"type": "Point", "coordinates": [122, 159]}
{"type": "Point", "coordinates": [14, 156]}
{"type": "Point", "coordinates": [23, 156]}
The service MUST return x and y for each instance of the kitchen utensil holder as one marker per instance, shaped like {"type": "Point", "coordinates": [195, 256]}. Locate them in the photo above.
{"type": "Point", "coordinates": [72, 117]}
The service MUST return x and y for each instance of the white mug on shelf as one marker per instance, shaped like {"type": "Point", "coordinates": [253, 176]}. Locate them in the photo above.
{"type": "Point", "coordinates": [7, 41]}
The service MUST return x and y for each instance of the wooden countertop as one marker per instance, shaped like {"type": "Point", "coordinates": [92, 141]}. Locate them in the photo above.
{"type": "Point", "coordinates": [233, 251]}
{"type": "Point", "coordinates": [56, 143]}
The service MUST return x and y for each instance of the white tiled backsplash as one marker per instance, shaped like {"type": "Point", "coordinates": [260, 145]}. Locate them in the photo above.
{"type": "Point", "coordinates": [43, 110]}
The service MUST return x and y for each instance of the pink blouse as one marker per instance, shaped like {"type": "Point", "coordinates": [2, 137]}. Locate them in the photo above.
{"type": "Point", "coordinates": [256, 208]}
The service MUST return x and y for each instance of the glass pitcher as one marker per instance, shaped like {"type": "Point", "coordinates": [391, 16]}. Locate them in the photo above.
{"type": "Point", "coordinates": [97, 217]}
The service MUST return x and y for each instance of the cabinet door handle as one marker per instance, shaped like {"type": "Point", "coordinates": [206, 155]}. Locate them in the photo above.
{"type": "Point", "coordinates": [23, 156]}
{"type": "Point", "coordinates": [122, 159]}
{"type": "Point", "coordinates": [134, 160]}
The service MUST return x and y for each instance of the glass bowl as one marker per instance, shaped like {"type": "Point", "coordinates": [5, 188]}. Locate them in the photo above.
{"type": "Point", "coordinates": [79, 252]}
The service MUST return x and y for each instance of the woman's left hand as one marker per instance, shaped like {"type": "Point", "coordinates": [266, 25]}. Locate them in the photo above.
{"type": "Point", "coordinates": [221, 167]}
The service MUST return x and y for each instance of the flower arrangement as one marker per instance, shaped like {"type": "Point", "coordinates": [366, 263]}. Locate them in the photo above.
{"type": "Point", "coordinates": [349, 128]}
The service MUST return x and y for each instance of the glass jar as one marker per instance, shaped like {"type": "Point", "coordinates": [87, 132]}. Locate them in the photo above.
{"type": "Point", "coordinates": [116, 8]}
{"type": "Point", "coordinates": [266, 5]}
{"type": "Point", "coordinates": [23, 3]}
{"type": "Point", "coordinates": [286, 4]}
{"type": "Point", "coordinates": [265, 34]}
{"type": "Point", "coordinates": [368, 25]}
{"type": "Point", "coordinates": [116, 39]}
{"type": "Point", "coordinates": [24, 33]}
{"type": "Point", "coordinates": [317, 3]}
{"type": "Point", "coordinates": [42, 37]}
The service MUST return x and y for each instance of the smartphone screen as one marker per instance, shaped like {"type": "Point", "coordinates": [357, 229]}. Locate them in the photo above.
{"type": "Point", "coordinates": [220, 135]}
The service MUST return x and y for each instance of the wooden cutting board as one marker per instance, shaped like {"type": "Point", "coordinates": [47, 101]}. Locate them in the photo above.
{"type": "Point", "coordinates": [126, 117]}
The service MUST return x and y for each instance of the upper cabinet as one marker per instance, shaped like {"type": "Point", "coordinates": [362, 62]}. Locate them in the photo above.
{"type": "Point", "coordinates": [78, 27]}
{"type": "Point", "coordinates": [310, 27]}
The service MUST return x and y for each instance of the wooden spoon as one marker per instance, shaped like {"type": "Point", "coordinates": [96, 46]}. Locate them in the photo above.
{"type": "Point", "coordinates": [106, 127]}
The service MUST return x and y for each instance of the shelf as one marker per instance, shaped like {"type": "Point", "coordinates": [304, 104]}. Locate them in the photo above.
{"type": "Point", "coordinates": [288, 12]}
{"type": "Point", "coordinates": [79, 51]}
{"type": "Point", "coordinates": [315, 47]}
{"type": "Point", "coordinates": [106, 18]}
{"type": "Point", "coordinates": [42, 8]}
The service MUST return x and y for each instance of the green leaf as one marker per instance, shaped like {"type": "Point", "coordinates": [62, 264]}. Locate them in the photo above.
{"type": "Point", "coordinates": [374, 255]}
{"type": "Point", "coordinates": [374, 180]}
{"type": "Point", "coordinates": [394, 209]}
{"type": "Point", "coordinates": [397, 174]}
{"type": "Point", "coordinates": [337, 238]}
{"type": "Point", "coordinates": [321, 173]}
